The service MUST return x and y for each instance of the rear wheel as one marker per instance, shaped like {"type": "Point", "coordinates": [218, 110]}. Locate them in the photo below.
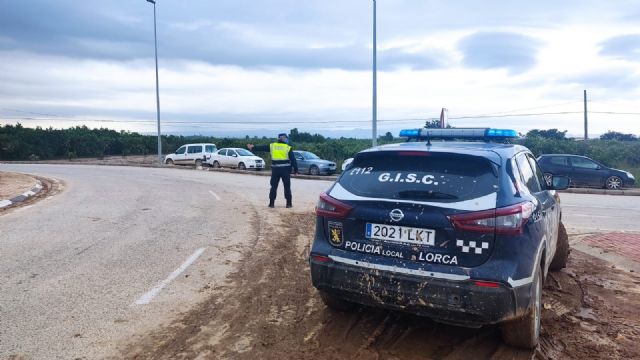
{"type": "Point", "coordinates": [613, 183]}
{"type": "Point", "coordinates": [314, 170]}
{"type": "Point", "coordinates": [169, 162]}
{"type": "Point", "coordinates": [216, 164]}
{"type": "Point", "coordinates": [198, 162]}
{"type": "Point", "coordinates": [241, 166]}
{"type": "Point", "coordinates": [335, 303]}
{"type": "Point", "coordinates": [524, 332]}
{"type": "Point", "coordinates": [562, 250]}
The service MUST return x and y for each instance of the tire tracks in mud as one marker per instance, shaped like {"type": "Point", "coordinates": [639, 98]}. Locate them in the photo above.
{"type": "Point", "coordinates": [267, 309]}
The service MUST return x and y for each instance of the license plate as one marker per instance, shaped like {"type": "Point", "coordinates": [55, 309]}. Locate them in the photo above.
{"type": "Point", "coordinates": [402, 234]}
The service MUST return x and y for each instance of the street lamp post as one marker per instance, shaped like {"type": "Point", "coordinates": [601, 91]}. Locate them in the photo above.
{"type": "Point", "coordinates": [155, 39]}
{"type": "Point", "coordinates": [374, 119]}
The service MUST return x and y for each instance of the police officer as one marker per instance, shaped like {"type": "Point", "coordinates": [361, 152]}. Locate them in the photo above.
{"type": "Point", "coordinates": [282, 161]}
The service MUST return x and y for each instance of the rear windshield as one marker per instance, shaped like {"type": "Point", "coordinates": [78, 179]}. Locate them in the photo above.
{"type": "Point", "coordinates": [420, 176]}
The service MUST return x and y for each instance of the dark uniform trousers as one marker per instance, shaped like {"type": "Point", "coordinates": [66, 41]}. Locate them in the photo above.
{"type": "Point", "coordinates": [277, 173]}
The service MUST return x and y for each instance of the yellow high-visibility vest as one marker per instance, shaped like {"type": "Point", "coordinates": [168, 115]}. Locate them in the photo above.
{"type": "Point", "coordinates": [279, 151]}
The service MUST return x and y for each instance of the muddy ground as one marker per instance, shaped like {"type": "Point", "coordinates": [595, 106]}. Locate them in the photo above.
{"type": "Point", "coordinates": [268, 310]}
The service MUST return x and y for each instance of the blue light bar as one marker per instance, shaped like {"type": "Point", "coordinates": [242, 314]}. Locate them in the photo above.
{"type": "Point", "coordinates": [501, 133]}
{"type": "Point", "coordinates": [485, 134]}
{"type": "Point", "coordinates": [410, 133]}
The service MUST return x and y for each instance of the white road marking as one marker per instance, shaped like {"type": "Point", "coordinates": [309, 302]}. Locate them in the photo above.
{"type": "Point", "coordinates": [214, 195]}
{"type": "Point", "coordinates": [148, 296]}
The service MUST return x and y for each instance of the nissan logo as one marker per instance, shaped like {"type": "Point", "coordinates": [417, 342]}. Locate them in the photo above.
{"type": "Point", "coordinates": [396, 215]}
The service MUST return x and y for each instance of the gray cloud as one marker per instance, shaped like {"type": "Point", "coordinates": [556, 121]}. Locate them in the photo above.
{"type": "Point", "coordinates": [625, 47]}
{"type": "Point", "coordinates": [97, 30]}
{"type": "Point", "coordinates": [491, 50]}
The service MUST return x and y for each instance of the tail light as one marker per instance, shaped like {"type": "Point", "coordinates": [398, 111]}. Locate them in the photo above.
{"type": "Point", "coordinates": [321, 258]}
{"type": "Point", "coordinates": [487, 284]}
{"type": "Point", "coordinates": [508, 220]}
{"type": "Point", "coordinates": [330, 207]}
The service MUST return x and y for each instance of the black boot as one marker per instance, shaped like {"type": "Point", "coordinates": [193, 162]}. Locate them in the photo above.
{"type": "Point", "coordinates": [271, 205]}
{"type": "Point", "coordinates": [289, 204]}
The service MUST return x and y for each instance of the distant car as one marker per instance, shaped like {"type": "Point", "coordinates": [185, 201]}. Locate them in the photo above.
{"type": "Point", "coordinates": [310, 163]}
{"type": "Point", "coordinates": [584, 171]}
{"type": "Point", "coordinates": [191, 154]}
{"type": "Point", "coordinates": [236, 158]}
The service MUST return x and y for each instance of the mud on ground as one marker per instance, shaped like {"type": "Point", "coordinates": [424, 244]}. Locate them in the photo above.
{"type": "Point", "coordinates": [268, 310]}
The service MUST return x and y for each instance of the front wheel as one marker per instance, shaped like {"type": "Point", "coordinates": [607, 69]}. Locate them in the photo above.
{"type": "Point", "coordinates": [314, 170]}
{"type": "Point", "coordinates": [525, 332]}
{"type": "Point", "coordinates": [169, 162]}
{"type": "Point", "coordinates": [198, 163]}
{"type": "Point", "coordinates": [241, 166]}
{"type": "Point", "coordinates": [613, 183]}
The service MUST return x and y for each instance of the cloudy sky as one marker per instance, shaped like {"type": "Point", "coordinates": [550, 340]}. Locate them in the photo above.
{"type": "Point", "coordinates": [236, 67]}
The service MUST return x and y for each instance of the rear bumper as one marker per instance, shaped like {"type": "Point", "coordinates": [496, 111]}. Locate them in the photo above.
{"type": "Point", "coordinates": [455, 302]}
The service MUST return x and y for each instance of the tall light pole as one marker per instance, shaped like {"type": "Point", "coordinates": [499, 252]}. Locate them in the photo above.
{"type": "Point", "coordinates": [374, 119]}
{"type": "Point", "coordinates": [155, 39]}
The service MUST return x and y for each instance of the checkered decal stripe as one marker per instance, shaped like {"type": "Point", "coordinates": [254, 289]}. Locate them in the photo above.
{"type": "Point", "coordinates": [473, 245]}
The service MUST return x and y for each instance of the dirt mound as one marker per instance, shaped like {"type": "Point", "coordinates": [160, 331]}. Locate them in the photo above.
{"type": "Point", "coordinates": [269, 310]}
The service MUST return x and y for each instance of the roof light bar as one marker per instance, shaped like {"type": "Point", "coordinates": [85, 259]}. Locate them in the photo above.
{"type": "Point", "coordinates": [459, 133]}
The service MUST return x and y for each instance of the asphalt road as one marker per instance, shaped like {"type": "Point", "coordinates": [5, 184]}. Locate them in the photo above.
{"type": "Point", "coordinates": [123, 249]}
{"type": "Point", "coordinates": [100, 262]}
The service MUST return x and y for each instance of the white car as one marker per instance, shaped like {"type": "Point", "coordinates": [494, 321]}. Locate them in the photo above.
{"type": "Point", "coordinates": [236, 158]}
{"type": "Point", "coordinates": [191, 154]}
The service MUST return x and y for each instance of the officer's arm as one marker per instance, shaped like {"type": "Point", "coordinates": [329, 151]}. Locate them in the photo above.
{"type": "Point", "coordinates": [260, 148]}
{"type": "Point", "coordinates": [294, 164]}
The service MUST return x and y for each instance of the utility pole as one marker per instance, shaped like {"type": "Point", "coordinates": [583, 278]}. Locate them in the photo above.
{"type": "Point", "coordinates": [586, 132]}
{"type": "Point", "coordinates": [155, 39]}
{"type": "Point", "coordinates": [374, 119]}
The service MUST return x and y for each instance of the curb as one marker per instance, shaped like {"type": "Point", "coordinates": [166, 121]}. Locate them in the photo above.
{"type": "Point", "coordinates": [22, 197]}
{"type": "Point", "coordinates": [623, 192]}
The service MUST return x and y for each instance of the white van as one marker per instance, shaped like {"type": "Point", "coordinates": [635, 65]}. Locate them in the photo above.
{"type": "Point", "coordinates": [191, 154]}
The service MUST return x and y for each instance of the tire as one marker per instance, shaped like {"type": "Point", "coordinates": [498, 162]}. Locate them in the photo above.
{"type": "Point", "coordinates": [525, 331]}
{"type": "Point", "coordinates": [335, 303]}
{"type": "Point", "coordinates": [169, 162]}
{"type": "Point", "coordinates": [562, 250]}
{"type": "Point", "coordinates": [198, 162]}
{"type": "Point", "coordinates": [548, 178]}
{"type": "Point", "coordinates": [314, 170]}
{"type": "Point", "coordinates": [241, 166]}
{"type": "Point", "coordinates": [216, 164]}
{"type": "Point", "coordinates": [613, 183]}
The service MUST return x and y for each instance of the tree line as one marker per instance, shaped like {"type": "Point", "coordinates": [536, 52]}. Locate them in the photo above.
{"type": "Point", "coordinates": [19, 143]}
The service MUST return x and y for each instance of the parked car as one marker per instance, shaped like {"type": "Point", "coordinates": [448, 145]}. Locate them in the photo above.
{"type": "Point", "coordinates": [236, 158]}
{"type": "Point", "coordinates": [191, 154]}
{"type": "Point", "coordinates": [310, 163]}
{"type": "Point", "coordinates": [583, 171]}
{"type": "Point", "coordinates": [462, 232]}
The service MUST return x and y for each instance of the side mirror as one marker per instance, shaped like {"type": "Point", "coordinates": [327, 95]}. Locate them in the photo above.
{"type": "Point", "coordinates": [235, 155]}
{"type": "Point", "coordinates": [559, 182]}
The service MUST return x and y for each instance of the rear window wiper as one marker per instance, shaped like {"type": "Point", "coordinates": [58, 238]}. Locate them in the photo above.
{"type": "Point", "coordinates": [424, 194]}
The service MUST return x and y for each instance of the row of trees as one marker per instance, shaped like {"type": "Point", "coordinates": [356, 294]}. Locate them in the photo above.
{"type": "Point", "coordinates": [20, 143]}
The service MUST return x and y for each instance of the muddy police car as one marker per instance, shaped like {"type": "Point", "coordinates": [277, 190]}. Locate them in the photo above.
{"type": "Point", "coordinates": [463, 232]}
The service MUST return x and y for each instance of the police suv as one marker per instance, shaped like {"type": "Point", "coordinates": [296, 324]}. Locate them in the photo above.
{"type": "Point", "coordinates": [463, 232]}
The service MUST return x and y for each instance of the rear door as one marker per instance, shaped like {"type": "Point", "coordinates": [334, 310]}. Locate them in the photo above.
{"type": "Point", "coordinates": [402, 201]}
{"type": "Point", "coordinates": [544, 219]}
